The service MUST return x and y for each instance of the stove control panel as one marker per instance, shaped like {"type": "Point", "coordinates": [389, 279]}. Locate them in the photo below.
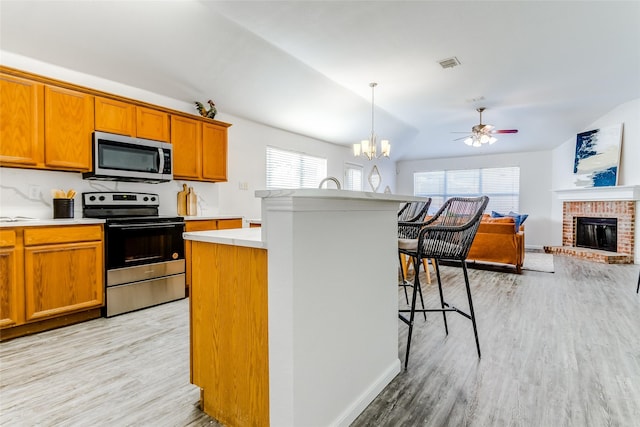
{"type": "Point", "coordinates": [110, 198]}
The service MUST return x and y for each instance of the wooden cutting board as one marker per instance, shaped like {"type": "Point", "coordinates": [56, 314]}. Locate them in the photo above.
{"type": "Point", "coordinates": [182, 201]}
{"type": "Point", "coordinates": [192, 203]}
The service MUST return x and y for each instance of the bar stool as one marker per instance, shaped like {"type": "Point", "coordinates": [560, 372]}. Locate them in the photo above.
{"type": "Point", "coordinates": [448, 235]}
{"type": "Point", "coordinates": [411, 213]}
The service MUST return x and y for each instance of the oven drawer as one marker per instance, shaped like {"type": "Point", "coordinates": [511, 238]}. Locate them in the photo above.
{"type": "Point", "coordinates": [133, 296]}
{"type": "Point", "coordinates": [118, 276]}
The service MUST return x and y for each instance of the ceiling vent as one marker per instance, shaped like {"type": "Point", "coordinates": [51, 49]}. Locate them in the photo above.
{"type": "Point", "coordinates": [449, 62]}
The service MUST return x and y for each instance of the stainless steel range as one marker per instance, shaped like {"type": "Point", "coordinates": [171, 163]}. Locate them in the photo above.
{"type": "Point", "coordinates": [144, 252]}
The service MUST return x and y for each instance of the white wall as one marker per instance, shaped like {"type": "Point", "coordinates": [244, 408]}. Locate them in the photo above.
{"type": "Point", "coordinates": [246, 157]}
{"type": "Point", "coordinates": [535, 185]}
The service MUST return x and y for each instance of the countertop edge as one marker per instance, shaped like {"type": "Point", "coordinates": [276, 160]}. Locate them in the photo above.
{"type": "Point", "coordinates": [245, 237]}
{"type": "Point", "coordinates": [51, 222]}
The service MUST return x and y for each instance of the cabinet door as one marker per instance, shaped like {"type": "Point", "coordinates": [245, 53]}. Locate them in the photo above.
{"type": "Point", "coordinates": [11, 312]}
{"type": "Point", "coordinates": [63, 278]}
{"type": "Point", "coordinates": [186, 139]}
{"type": "Point", "coordinates": [115, 116]}
{"type": "Point", "coordinates": [198, 225]}
{"type": "Point", "coordinates": [214, 152]}
{"type": "Point", "coordinates": [21, 122]}
{"type": "Point", "coordinates": [68, 125]}
{"type": "Point", "coordinates": [152, 124]}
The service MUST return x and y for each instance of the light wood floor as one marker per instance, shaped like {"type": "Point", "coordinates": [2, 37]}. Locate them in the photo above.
{"type": "Point", "coordinates": [558, 349]}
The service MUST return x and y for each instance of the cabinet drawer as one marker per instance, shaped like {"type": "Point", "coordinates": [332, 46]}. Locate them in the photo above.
{"type": "Point", "coordinates": [45, 235]}
{"type": "Point", "coordinates": [7, 238]}
{"type": "Point", "coordinates": [229, 223]}
{"type": "Point", "coordinates": [201, 225]}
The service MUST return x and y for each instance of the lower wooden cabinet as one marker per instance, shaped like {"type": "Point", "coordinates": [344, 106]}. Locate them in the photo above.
{"type": "Point", "coordinates": [204, 225]}
{"type": "Point", "coordinates": [10, 285]}
{"type": "Point", "coordinates": [50, 276]}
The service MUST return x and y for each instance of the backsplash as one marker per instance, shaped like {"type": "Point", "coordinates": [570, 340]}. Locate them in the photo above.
{"type": "Point", "coordinates": [17, 186]}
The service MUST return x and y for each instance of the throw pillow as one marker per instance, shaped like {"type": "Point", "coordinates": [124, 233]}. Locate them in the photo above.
{"type": "Point", "coordinates": [518, 218]}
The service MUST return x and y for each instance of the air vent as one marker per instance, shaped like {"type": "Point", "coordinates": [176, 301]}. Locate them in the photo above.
{"type": "Point", "coordinates": [449, 62]}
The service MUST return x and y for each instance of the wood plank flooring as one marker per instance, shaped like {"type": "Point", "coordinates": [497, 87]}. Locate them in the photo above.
{"type": "Point", "coordinates": [559, 349]}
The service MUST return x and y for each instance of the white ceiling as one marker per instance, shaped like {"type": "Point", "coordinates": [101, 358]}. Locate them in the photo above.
{"type": "Point", "coordinates": [547, 68]}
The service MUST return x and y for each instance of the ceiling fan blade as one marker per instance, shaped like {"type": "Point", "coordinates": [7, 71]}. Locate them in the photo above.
{"type": "Point", "coordinates": [505, 131]}
{"type": "Point", "coordinates": [462, 137]}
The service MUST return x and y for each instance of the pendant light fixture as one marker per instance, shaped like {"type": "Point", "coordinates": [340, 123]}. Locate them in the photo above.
{"type": "Point", "coordinates": [368, 147]}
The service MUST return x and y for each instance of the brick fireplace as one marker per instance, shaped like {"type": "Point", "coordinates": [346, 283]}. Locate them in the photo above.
{"type": "Point", "coordinates": [600, 203]}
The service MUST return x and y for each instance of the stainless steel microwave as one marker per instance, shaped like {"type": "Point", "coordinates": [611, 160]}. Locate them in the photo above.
{"type": "Point", "coordinates": [124, 158]}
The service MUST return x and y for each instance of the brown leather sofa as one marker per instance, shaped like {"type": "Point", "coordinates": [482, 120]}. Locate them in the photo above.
{"type": "Point", "coordinates": [497, 241]}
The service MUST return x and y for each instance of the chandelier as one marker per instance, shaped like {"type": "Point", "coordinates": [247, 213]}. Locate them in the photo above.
{"type": "Point", "coordinates": [368, 147]}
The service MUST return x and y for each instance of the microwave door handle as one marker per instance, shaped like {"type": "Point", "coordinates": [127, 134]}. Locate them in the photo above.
{"type": "Point", "coordinates": [161, 158]}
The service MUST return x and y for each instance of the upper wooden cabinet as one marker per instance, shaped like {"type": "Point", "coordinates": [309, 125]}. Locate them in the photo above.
{"type": "Point", "coordinates": [68, 124]}
{"type": "Point", "coordinates": [21, 122]}
{"type": "Point", "coordinates": [214, 152]}
{"type": "Point", "coordinates": [152, 124]}
{"type": "Point", "coordinates": [128, 119]}
{"type": "Point", "coordinates": [44, 126]}
{"type": "Point", "coordinates": [48, 124]}
{"type": "Point", "coordinates": [186, 138]}
{"type": "Point", "coordinates": [115, 116]}
{"type": "Point", "coordinates": [199, 150]}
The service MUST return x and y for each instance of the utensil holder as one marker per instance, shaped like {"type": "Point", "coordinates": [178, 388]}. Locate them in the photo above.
{"type": "Point", "coordinates": [62, 208]}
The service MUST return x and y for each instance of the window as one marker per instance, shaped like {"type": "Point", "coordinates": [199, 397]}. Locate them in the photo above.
{"type": "Point", "coordinates": [502, 185]}
{"type": "Point", "coordinates": [352, 177]}
{"type": "Point", "coordinates": [289, 169]}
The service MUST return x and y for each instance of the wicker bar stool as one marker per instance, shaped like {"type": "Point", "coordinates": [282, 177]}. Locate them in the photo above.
{"type": "Point", "coordinates": [448, 235]}
{"type": "Point", "coordinates": [410, 213]}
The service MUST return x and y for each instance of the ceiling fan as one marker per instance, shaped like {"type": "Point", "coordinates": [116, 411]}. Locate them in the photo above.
{"type": "Point", "coordinates": [483, 133]}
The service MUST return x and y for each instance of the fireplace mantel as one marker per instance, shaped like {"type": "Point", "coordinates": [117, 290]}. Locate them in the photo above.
{"type": "Point", "coordinates": [619, 192]}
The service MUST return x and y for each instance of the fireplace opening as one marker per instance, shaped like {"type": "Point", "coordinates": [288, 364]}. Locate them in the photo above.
{"type": "Point", "coordinates": [597, 233]}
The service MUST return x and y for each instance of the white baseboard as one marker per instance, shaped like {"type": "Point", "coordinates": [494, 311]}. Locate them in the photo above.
{"type": "Point", "coordinates": [359, 405]}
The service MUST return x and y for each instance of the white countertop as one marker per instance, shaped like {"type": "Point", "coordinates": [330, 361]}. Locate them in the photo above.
{"type": "Point", "coordinates": [50, 222]}
{"type": "Point", "coordinates": [247, 237]}
{"type": "Point", "coordinates": [200, 218]}
{"type": "Point", "coordinates": [336, 194]}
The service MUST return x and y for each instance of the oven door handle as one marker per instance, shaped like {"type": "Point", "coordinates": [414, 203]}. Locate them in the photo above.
{"type": "Point", "coordinates": [145, 225]}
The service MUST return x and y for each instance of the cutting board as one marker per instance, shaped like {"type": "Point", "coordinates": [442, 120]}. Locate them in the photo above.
{"type": "Point", "coordinates": [192, 203]}
{"type": "Point", "coordinates": [182, 201]}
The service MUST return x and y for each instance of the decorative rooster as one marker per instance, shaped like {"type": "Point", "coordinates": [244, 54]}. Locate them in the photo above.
{"type": "Point", "coordinates": [210, 113]}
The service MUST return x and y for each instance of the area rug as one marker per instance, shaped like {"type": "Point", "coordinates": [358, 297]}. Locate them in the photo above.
{"type": "Point", "coordinates": [538, 261]}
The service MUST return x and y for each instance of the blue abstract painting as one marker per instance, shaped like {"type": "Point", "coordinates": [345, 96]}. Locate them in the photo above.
{"type": "Point", "coordinates": [598, 156]}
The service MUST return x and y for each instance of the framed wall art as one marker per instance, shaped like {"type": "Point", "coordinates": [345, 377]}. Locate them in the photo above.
{"type": "Point", "coordinates": [597, 157]}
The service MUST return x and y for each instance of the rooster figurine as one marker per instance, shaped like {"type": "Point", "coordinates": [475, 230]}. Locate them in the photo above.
{"type": "Point", "coordinates": [210, 113]}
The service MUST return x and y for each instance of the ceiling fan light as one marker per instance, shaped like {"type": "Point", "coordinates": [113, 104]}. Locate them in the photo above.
{"type": "Point", "coordinates": [477, 143]}
{"type": "Point", "coordinates": [492, 140]}
{"type": "Point", "coordinates": [468, 141]}
{"type": "Point", "coordinates": [484, 139]}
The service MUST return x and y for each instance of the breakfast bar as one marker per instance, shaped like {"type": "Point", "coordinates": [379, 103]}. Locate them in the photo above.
{"type": "Point", "coordinates": [295, 323]}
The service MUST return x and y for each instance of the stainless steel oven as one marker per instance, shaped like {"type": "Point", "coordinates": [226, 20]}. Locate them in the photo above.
{"type": "Point", "coordinates": [144, 252]}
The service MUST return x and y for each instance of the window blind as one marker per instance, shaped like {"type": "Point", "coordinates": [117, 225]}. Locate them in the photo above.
{"type": "Point", "coordinates": [290, 169]}
{"type": "Point", "coordinates": [502, 185]}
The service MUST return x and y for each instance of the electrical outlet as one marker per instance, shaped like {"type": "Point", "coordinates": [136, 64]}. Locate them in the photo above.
{"type": "Point", "coordinates": [34, 192]}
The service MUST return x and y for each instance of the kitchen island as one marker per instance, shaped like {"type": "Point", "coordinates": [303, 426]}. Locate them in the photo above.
{"type": "Point", "coordinates": [295, 323]}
